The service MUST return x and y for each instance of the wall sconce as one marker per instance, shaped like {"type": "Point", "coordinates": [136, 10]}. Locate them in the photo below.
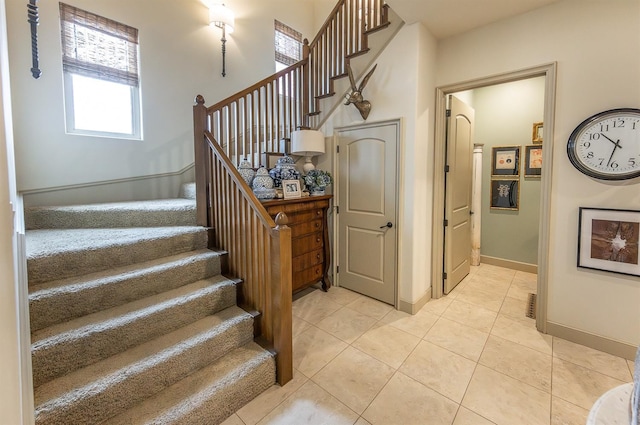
{"type": "Point", "coordinates": [222, 17]}
{"type": "Point", "coordinates": [307, 143]}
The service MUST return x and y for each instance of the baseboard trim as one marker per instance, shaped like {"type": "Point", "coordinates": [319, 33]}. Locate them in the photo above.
{"type": "Point", "coordinates": [410, 308]}
{"type": "Point", "coordinates": [617, 348]}
{"type": "Point", "coordinates": [509, 264]}
{"type": "Point", "coordinates": [106, 182]}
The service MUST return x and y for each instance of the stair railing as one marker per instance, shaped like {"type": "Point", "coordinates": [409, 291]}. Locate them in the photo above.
{"type": "Point", "coordinates": [250, 123]}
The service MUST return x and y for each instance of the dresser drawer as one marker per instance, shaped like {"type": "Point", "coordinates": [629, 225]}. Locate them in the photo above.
{"type": "Point", "coordinates": [305, 216]}
{"type": "Point", "coordinates": [306, 243]}
{"type": "Point", "coordinates": [304, 228]}
{"type": "Point", "coordinates": [307, 260]}
{"type": "Point", "coordinates": [307, 277]}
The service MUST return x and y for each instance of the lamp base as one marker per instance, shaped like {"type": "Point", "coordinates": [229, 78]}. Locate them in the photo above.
{"type": "Point", "coordinates": [308, 165]}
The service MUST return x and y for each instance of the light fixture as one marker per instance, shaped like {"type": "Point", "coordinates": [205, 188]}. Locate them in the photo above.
{"type": "Point", "coordinates": [222, 17]}
{"type": "Point", "coordinates": [307, 143]}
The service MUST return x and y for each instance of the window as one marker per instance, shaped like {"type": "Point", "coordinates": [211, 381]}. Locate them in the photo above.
{"type": "Point", "coordinates": [101, 83]}
{"type": "Point", "coordinates": [288, 44]}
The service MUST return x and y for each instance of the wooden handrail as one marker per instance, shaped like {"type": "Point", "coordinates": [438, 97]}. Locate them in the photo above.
{"type": "Point", "coordinates": [256, 120]}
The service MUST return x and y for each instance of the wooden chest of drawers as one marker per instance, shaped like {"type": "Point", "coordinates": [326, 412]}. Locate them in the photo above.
{"type": "Point", "coordinates": [309, 238]}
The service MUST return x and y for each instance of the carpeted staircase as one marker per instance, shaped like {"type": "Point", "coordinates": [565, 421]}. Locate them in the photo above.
{"type": "Point", "coordinates": [132, 321]}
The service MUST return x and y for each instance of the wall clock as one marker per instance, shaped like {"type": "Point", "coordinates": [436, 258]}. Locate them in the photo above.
{"type": "Point", "coordinates": [606, 145]}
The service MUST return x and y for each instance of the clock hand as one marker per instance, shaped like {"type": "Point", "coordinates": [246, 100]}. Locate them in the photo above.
{"type": "Point", "coordinates": [617, 142]}
{"type": "Point", "coordinates": [617, 145]}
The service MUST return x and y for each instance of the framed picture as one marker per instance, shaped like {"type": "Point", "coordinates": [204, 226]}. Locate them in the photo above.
{"type": "Point", "coordinates": [533, 161]}
{"type": "Point", "coordinates": [536, 137]}
{"type": "Point", "coordinates": [270, 159]}
{"type": "Point", "coordinates": [505, 195]}
{"type": "Point", "coordinates": [608, 240]}
{"type": "Point", "coordinates": [291, 189]}
{"type": "Point", "coordinates": [505, 161]}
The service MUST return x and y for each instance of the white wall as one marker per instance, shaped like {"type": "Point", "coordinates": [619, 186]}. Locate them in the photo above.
{"type": "Point", "coordinates": [180, 57]}
{"type": "Point", "coordinates": [10, 367]}
{"type": "Point", "coordinates": [402, 88]}
{"type": "Point", "coordinates": [596, 45]}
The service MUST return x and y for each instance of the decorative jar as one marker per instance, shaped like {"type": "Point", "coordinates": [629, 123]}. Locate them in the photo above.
{"type": "Point", "coordinates": [246, 171]}
{"type": "Point", "coordinates": [285, 170]}
{"type": "Point", "coordinates": [262, 179]}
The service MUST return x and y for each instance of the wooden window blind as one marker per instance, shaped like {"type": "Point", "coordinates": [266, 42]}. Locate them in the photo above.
{"type": "Point", "coordinates": [98, 47]}
{"type": "Point", "coordinates": [288, 44]}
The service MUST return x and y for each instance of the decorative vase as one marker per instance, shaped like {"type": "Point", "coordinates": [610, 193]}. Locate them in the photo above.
{"type": "Point", "coordinates": [317, 191]}
{"type": "Point", "coordinates": [262, 179]}
{"type": "Point", "coordinates": [246, 171]}
{"type": "Point", "coordinates": [285, 169]}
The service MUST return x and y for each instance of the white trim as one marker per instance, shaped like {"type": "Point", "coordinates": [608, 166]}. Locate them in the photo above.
{"type": "Point", "coordinates": [549, 72]}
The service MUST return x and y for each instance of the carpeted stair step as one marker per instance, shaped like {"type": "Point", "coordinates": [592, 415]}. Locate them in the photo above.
{"type": "Point", "coordinates": [61, 253]}
{"type": "Point", "coordinates": [210, 395]}
{"type": "Point", "coordinates": [57, 301]}
{"type": "Point", "coordinates": [109, 387]}
{"type": "Point", "coordinates": [63, 348]}
{"type": "Point", "coordinates": [153, 213]}
{"type": "Point", "coordinates": [188, 190]}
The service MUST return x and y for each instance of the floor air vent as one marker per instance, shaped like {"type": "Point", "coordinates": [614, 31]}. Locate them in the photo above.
{"type": "Point", "coordinates": [531, 306]}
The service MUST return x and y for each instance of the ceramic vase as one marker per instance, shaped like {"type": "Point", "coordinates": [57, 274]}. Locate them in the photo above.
{"type": "Point", "coordinates": [285, 169]}
{"type": "Point", "coordinates": [246, 171]}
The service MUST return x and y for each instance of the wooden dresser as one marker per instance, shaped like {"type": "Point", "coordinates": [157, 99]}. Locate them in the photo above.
{"type": "Point", "coordinates": [309, 238]}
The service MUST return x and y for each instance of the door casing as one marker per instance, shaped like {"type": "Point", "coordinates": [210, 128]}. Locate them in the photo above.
{"type": "Point", "coordinates": [549, 72]}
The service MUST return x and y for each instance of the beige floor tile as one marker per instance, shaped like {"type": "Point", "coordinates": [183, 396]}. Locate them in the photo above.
{"type": "Point", "coordinates": [514, 307]}
{"type": "Point", "coordinates": [314, 307]}
{"type": "Point", "coordinates": [459, 338]}
{"type": "Point", "coordinates": [632, 366]}
{"type": "Point", "coordinates": [341, 296]}
{"type": "Point", "coordinates": [310, 405]}
{"type": "Point", "coordinates": [262, 405]}
{"type": "Point", "coordinates": [608, 364]}
{"type": "Point", "coordinates": [370, 307]}
{"type": "Point", "coordinates": [362, 421]}
{"type": "Point", "coordinates": [437, 306]}
{"type": "Point", "coordinates": [439, 369]}
{"type": "Point", "coordinates": [387, 344]}
{"type": "Point", "coordinates": [527, 277]}
{"type": "Point", "coordinates": [417, 324]}
{"type": "Point", "coordinates": [404, 401]}
{"type": "Point", "coordinates": [471, 315]}
{"type": "Point", "coordinates": [233, 420]}
{"type": "Point", "coordinates": [496, 285]}
{"type": "Point", "coordinates": [467, 417]}
{"type": "Point", "coordinates": [298, 326]}
{"type": "Point", "coordinates": [522, 331]}
{"type": "Point", "coordinates": [313, 349]}
{"type": "Point", "coordinates": [489, 300]}
{"type": "Point", "coordinates": [490, 270]}
{"type": "Point", "coordinates": [579, 385]}
{"type": "Point", "coordinates": [506, 401]}
{"type": "Point", "coordinates": [519, 362]}
{"type": "Point", "coordinates": [565, 413]}
{"type": "Point", "coordinates": [346, 324]}
{"type": "Point", "coordinates": [521, 289]}
{"type": "Point", "coordinates": [354, 378]}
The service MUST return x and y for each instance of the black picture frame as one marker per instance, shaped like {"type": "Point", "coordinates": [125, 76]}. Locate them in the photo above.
{"type": "Point", "coordinates": [505, 194]}
{"type": "Point", "coordinates": [533, 161]}
{"type": "Point", "coordinates": [608, 240]}
{"type": "Point", "coordinates": [505, 161]}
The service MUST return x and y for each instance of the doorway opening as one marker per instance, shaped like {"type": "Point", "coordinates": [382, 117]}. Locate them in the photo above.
{"type": "Point", "coordinates": [548, 72]}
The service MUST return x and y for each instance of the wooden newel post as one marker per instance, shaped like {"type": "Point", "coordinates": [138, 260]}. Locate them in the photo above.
{"type": "Point", "coordinates": [281, 276]}
{"type": "Point", "coordinates": [200, 154]}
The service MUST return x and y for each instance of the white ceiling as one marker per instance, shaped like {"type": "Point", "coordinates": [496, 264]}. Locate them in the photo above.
{"type": "Point", "coordinates": [445, 18]}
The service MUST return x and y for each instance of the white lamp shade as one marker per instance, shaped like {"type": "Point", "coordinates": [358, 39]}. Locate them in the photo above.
{"type": "Point", "coordinates": [307, 142]}
{"type": "Point", "coordinates": [220, 15]}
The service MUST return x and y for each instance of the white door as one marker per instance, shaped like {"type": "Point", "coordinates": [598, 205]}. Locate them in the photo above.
{"type": "Point", "coordinates": [458, 189]}
{"type": "Point", "coordinates": [367, 237]}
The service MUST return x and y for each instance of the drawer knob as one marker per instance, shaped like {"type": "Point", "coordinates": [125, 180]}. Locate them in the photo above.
{"type": "Point", "coordinates": [318, 256]}
{"type": "Point", "coordinates": [317, 239]}
{"type": "Point", "coordinates": [317, 224]}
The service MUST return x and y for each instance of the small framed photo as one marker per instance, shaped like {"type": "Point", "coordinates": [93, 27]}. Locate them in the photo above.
{"type": "Point", "coordinates": [505, 195]}
{"type": "Point", "coordinates": [608, 240]}
{"type": "Point", "coordinates": [505, 161]}
{"type": "Point", "coordinates": [536, 137]}
{"type": "Point", "coordinates": [270, 159]}
{"type": "Point", "coordinates": [291, 189]}
{"type": "Point", "coordinates": [533, 161]}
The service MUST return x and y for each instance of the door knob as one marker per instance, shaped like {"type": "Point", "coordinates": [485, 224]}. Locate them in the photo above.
{"type": "Point", "coordinates": [389, 225]}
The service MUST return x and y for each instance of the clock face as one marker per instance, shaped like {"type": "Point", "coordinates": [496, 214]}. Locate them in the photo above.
{"type": "Point", "coordinates": [607, 145]}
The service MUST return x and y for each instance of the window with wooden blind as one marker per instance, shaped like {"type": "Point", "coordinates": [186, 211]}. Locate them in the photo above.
{"type": "Point", "coordinates": [288, 45]}
{"type": "Point", "coordinates": [102, 82]}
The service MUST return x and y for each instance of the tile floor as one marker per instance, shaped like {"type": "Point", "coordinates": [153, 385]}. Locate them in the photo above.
{"type": "Point", "coordinates": [470, 358]}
